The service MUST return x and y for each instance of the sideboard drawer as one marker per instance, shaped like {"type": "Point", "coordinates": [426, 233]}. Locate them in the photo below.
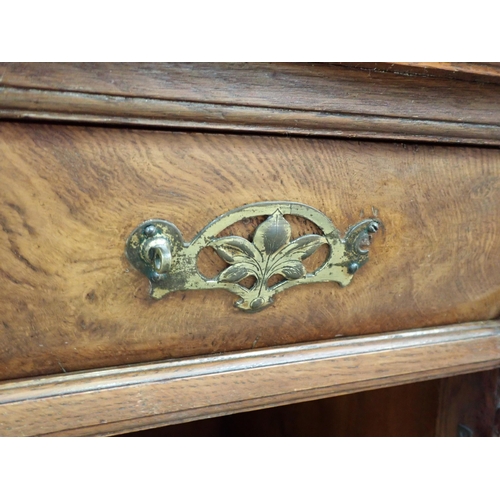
{"type": "Point", "coordinates": [71, 196]}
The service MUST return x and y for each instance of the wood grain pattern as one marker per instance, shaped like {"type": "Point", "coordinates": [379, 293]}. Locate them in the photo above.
{"type": "Point", "coordinates": [46, 107]}
{"type": "Point", "coordinates": [472, 72]}
{"type": "Point", "coordinates": [408, 410]}
{"type": "Point", "coordinates": [490, 69]}
{"type": "Point", "coordinates": [289, 86]}
{"type": "Point", "coordinates": [119, 400]}
{"type": "Point", "coordinates": [70, 196]}
{"type": "Point", "coordinates": [477, 72]}
{"type": "Point", "coordinates": [318, 99]}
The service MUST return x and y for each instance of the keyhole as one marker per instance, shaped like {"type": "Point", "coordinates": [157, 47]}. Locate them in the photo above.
{"type": "Point", "coordinates": [159, 255]}
{"type": "Point", "coordinates": [158, 260]}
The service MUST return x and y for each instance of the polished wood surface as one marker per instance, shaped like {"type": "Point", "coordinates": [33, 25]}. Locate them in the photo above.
{"type": "Point", "coordinates": [125, 399]}
{"type": "Point", "coordinates": [72, 195]}
{"type": "Point", "coordinates": [312, 99]}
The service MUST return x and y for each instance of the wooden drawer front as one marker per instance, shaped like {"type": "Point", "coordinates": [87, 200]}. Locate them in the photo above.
{"type": "Point", "coordinates": [70, 196]}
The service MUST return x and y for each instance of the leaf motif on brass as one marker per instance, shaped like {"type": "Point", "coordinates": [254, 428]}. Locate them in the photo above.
{"type": "Point", "coordinates": [158, 250]}
{"type": "Point", "coordinates": [270, 253]}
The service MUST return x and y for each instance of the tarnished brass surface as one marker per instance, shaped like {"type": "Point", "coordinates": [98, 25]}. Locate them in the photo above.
{"type": "Point", "coordinates": [157, 249]}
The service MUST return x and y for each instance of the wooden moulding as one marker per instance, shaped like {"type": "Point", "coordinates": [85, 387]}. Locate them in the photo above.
{"type": "Point", "coordinates": [305, 99]}
{"type": "Point", "coordinates": [475, 72]}
{"type": "Point", "coordinates": [118, 400]}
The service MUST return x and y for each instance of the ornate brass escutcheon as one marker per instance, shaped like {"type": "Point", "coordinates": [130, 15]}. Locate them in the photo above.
{"type": "Point", "coordinates": [157, 249]}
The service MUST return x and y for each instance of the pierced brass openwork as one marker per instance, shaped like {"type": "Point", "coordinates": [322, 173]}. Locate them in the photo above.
{"type": "Point", "coordinates": [157, 249]}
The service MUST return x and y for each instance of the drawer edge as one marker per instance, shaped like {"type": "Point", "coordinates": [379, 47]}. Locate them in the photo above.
{"type": "Point", "coordinates": [124, 399]}
{"type": "Point", "coordinates": [81, 108]}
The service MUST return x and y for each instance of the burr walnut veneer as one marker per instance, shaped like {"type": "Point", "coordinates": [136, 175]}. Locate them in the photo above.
{"type": "Point", "coordinates": [90, 151]}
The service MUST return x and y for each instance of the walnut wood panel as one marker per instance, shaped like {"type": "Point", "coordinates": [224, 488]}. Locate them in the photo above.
{"type": "Point", "coordinates": [124, 399]}
{"type": "Point", "coordinates": [320, 99]}
{"type": "Point", "coordinates": [70, 196]}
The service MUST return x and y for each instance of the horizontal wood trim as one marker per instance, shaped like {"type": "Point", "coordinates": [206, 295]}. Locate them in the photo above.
{"type": "Point", "coordinates": [111, 110]}
{"type": "Point", "coordinates": [307, 99]}
{"type": "Point", "coordinates": [473, 72]}
{"type": "Point", "coordinates": [133, 397]}
{"type": "Point", "coordinates": [300, 86]}
{"type": "Point", "coordinates": [483, 69]}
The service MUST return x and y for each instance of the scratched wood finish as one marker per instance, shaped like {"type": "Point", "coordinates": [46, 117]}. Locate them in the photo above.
{"type": "Point", "coordinates": [119, 400]}
{"type": "Point", "coordinates": [315, 99]}
{"type": "Point", "coordinates": [70, 196]}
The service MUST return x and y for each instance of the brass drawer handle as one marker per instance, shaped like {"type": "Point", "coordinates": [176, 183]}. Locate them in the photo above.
{"type": "Point", "coordinates": [157, 249]}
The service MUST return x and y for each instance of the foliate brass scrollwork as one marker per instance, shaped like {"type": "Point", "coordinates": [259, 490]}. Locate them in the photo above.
{"type": "Point", "coordinates": [157, 249]}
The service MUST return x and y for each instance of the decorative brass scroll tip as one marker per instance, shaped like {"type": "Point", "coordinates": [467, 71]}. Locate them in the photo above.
{"type": "Point", "coordinates": [157, 249]}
